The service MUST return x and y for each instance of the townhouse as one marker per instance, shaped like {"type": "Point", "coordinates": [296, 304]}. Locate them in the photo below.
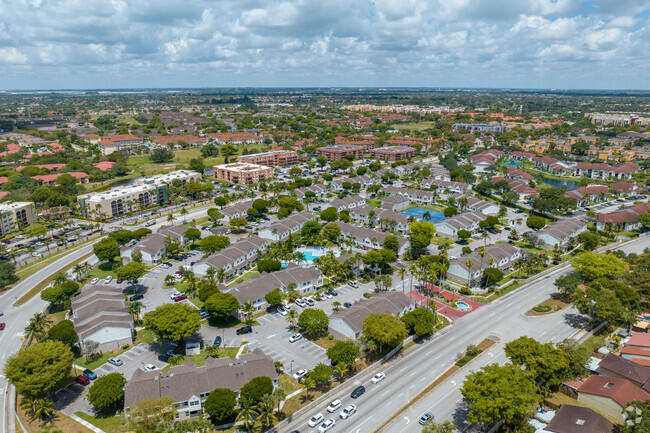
{"type": "Point", "coordinates": [561, 231]}
{"type": "Point", "coordinates": [189, 386]}
{"type": "Point", "coordinates": [151, 247]}
{"type": "Point", "coordinates": [237, 210]}
{"type": "Point", "coordinates": [591, 193]}
{"type": "Point", "coordinates": [445, 185]}
{"type": "Point", "coordinates": [282, 229]}
{"type": "Point", "coordinates": [623, 170]}
{"type": "Point", "coordinates": [475, 204]}
{"type": "Point", "coordinates": [627, 188]}
{"type": "Point", "coordinates": [517, 186]}
{"type": "Point", "coordinates": [320, 190]}
{"type": "Point", "coordinates": [233, 259]}
{"type": "Point", "coordinates": [414, 195]}
{"type": "Point", "coordinates": [483, 160]}
{"type": "Point", "coordinates": [306, 280]}
{"type": "Point", "coordinates": [348, 322]}
{"type": "Point", "coordinates": [450, 227]}
{"type": "Point", "coordinates": [519, 156]}
{"type": "Point", "coordinates": [100, 314]}
{"type": "Point", "coordinates": [610, 395]}
{"type": "Point", "coordinates": [553, 165]}
{"type": "Point", "coordinates": [520, 175]}
{"type": "Point", "coordinates": [385, 218]}
{"type": "Point", "coordinates": [371, 239]}
{"type": "Point", "coordinates": [626, 218]}
{"type": "Point", "coordinates": [393, 153]}
{"type": "Point", "coordinates": [503, 255]}
{"type": "Point", "coordinates": [346, 203]}
{"type": "Point", "coordinates": [395, 203]}
{"type": "Point", "coordinates": [364, 181]}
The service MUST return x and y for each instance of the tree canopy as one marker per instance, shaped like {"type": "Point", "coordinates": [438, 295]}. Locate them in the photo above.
{"type": "Point", "coordinates": [257, 388]}
{"type": "Point", "coordinates": [173, 321]}
{"type": "Point", "coordinates": [220, 404]}
{"type": "Point", "coordinates": [313, 320]}
{"type": "Point", "coordinates": [420, 321]}
{"type": "Point", "coordinates": [107, 391]}
{"type": "Point", "coordinates": [384, 329]}
{"type": "Point", "coordinates": [595, 265]}
{"type": "Point", "coordinates": [222, 304]}
{"type": "Point", "coordinates": [344, 352]}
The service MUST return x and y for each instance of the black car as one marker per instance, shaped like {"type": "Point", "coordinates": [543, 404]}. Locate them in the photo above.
{"type": "Point", "coordinates": [217, 341]}
{"type": "Point", "coordinates": [358, 391]}
{"type": "Point", "coordinates": [333, 292]}
{"type": "Point", "coordinates": [163, 357]}
{"type": "Point", "coordinates": [136, 297]}
{"type": "Point", "coordinates": [347, 305]}
{"type": "Point", "coordinates": [244, 330]}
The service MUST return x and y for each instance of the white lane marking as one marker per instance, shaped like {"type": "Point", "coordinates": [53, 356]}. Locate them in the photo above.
{"type": "Point", "coordinates": [413, 374]}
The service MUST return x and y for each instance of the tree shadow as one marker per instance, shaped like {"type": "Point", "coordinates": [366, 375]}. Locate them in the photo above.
{"type": "Point", "coordinates": [577, 321]}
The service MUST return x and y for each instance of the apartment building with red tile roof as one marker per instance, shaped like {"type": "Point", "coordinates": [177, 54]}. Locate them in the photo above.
{"type": "Point", "coordinates": [627, 188]}
{"type": "Point", "coordinates": [274, 158]}
{"type": "Point", "coordinates": [393, 153]}
{"type": "Point", "coordinates": [104, 165]}
{"type": "Point", "coordinates": [11, 149]}
{"type": "Point", "coordinates": [626, 217]}
{"type": "Point", "coordinates": [515, 173]}
{"type": "Point", "coordinates": [50, 179]}
{"type": "Point", "coordinates": [113, 143]}
{"type": "Point", "coordinates": [51, 167]}
{"type": "Point", "coordinates": [237, 138]}
{"type": "Point", "coordinates": [518, 155]}
{"type": "Point", "coordinates": [589, 193]}
{"type": "Point", "coordinates": [339, 151]}
{"type": "Point", "coordinates": [519, 187]}
{"type": "Point", "coordinates": [623, 170]}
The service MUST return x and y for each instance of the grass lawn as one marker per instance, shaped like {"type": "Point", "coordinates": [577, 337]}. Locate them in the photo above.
{"type": "Point", "coordinates": [247, 276]}
{"type": "Point", "coordinates": [420, 126]}
{"type": "Point", "coordinates": [61, 422]}
{"type": "Point", "coordinates": [437, 240]}
{"type": "Point", "coordinates": [554, 304]}
{"type": "Point", "coordinates": [199, 360]}
{"type": "Point", "coordinates": [323, 341]}
{"type": "Point", "coordinates": [102, 271]}
{"type": "Point", "coordinates": [595, 341]}
{"type": "Point", "coordinates": [199, 222]}
{"type": "Point", "coordinates": [374, 202]}
{"type": "Point", "coordinates": [107, 423]}
{"type": "Point", "coordinates": [288, 384]}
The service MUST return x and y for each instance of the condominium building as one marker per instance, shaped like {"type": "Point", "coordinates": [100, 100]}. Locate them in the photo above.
{"type": "Point", "coordinates": [237, 138]}
{"type": "Point", "coordinates": [113, 143]}
{"type": "Point", "coordinates": [239, 172]}
{"type": "Point", "coordinates": [16, 214]}
{"type": "Point", "coordinates": [482, 127]}
{"type": "Point", "coordinates": [121, 200]}
{"type": "Point", "coordinates": [393, 153]}
{"type": "Point", "coordinates": [617, 119]}
{"type": "Point", "coordinates": [272, 159]}
{"type": "Point", "coordinates": [183, 176]}
{"type": "Point", "coordinates": [340, 151]}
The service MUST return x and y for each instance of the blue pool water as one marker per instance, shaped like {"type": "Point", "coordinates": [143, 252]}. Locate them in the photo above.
{"type": "Point", "coordinates": [308, 256]}
{"type": "Point", "coordinates": [418, 212]}
{"type": "Point", "coordinates": [512, 163]}
{"type": "Point", "coordinates": [461, 304]}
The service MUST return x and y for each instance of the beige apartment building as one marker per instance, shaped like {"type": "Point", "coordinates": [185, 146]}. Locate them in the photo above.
{"type": "Point", "coordinates": [121, 200]}
{"type": "Point", "coordinates": [241, 172]}
{"type": "Point", "coordinates": [16, 214]}
{"type": "Point", "coordinates": [183, 176]}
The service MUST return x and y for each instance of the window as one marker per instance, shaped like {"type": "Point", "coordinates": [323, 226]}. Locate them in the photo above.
{"type": "Point", "coordinates": [194, 403]}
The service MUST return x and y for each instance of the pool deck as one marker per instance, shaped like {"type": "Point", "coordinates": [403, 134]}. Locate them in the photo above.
{"type": "Point", "coordinates": [447, 311]}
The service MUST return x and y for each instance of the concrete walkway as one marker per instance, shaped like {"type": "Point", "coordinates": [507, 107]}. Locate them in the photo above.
{"type": "Point", "coordinates": [86, 423]}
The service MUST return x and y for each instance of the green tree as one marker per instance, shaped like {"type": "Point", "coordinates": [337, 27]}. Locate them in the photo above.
{"type": "Point", "coordinates": [344, 352]}
{"type": "Point", "coordinates": [39, 368]}
{"type": "Point", "coordinates": [383, 329]}
{"type": "Point", "coordinates": [330, 214]}
{"type": "Point", "coordinates": [257, 388]}
{"type": "Point", "coordinates": [221, 201]}
{"type": "Point", "coordinates": [497, 393]}
{"type": "Point", "coordinates": [197, 165]}
{"type": "Point", "coordinates": [391, 243]}
{"type": "Point", "coordinates": [549, 365]}
{"type": "Point", "coordinates": [220, 404]}
{"type": "Point", "coordinates": [421, 321]}
{"type": "Point", "coordinates": [132, 270]}
{"type": "Point", "coordinates": [122, 237]}
{"type": "Point", "coordinates": [237, 223]}
{"type": "Point", "coordinates": [161, 155]}
{"type": "Point", "coordinates": [464, 234]}
{"type": "Point", "coordinates": [269, 265]}
{"type": "Point", "coordinates": [59, 294]}
{"type": "Point", "coordinates": [589, 240]}
{"type": "Point", "coordinates": [434, 427]}
{"type": "Point", "coordinates": [535, 222]}
{"type": "Point", "coordinates": [106, 250]}
{"type": "Point", "coordinates": [331, 232]}
{"type": "Point", "coordinates": [147, 415]}
{"type": "Point", "coordinates": [63, 332]}
{"type": "Point", "coordinates": [421, 234]}
{"type": "Point", "coordinates": [193, 234]}
{"type": "Point", "coordinates": [492, 275]}
{"type": "Point", "coordinates": [636, 417]}
{"type": "Point", "coordinates": [214, 215]}
{"type": "Point", "coordinates": [173, 321]}
{"type": "Point", "coordinates": [274, 297]}
{"type": "Point", "coordinates": [107, 391]}
{"type": "Point", "coordinates": [211, 244]}
{"type": "Point", "coordinates": [567, 285]}
{"type": "Point", "coordinates": [7, 273]}
{"type": "Point", "coordinates": [221, 305]}
{"type": "Point", "coordinates": [594, 265]}
{"type": "Point", "coordinates": [321, 374]}
{"type": "Point", "coordinates": [313, 320]}
{"type": "Point", "coordinates": [140, 233]}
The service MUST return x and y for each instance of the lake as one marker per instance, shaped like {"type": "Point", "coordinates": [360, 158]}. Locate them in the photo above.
{"type": "Point", "coordinates": [557, 183]}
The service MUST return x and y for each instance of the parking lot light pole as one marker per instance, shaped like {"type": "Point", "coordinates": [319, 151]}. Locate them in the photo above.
{"type": "Point", "coordinates": [292, 367]}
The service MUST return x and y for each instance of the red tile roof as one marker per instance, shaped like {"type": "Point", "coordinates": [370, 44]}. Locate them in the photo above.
{"type": "Point", "coordinates": [104, 165]}
{"type": "Point", "coordinates": [622, 391]}
{"type": "Point", "coordinates": [52, 177]}
{"type": "Point", "coordinates": [625, 215]}
{"type": "Point", "coordinates": [639, 339]}
{"type": "Point", "coordinates": [48, 166]}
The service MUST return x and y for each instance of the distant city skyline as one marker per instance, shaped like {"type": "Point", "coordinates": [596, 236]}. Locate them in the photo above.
{"type": "Point", "coordinates": [525, 44]}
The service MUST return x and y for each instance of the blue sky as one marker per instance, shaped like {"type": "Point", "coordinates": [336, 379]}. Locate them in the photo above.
{"type": "Point", "coordinates": [599, 44]}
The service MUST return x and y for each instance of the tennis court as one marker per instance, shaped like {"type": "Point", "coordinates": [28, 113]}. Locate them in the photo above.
{"type": "Point", "coordinates": [418, 212]}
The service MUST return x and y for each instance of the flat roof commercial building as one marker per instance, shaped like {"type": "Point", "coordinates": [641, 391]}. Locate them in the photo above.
{"type": "Point", "coordinates": [14, 215]}
{"type": "Point", "coordinates": [338, 152]}
{"type": "Point", "coordinates": [241, 172]}
{"type": "Point", "coordinates": [274, 158]}
{"type": "Point", "coordinates": [393, 153]}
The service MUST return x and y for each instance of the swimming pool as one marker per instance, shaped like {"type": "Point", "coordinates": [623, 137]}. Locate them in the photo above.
{"type": "Point", "coordinates": [463, 306]}
{"type": "Point", "coordinates": [311, 253]}
{"type": "Point", "coordinates": [418, 212]}
{"type": "Point", "coordinates": [512, 163]}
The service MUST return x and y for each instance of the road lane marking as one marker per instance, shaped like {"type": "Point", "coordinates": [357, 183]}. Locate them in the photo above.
{"type": "Point", "coordinates": [413, 374]}
{"type": "Point", "coordinates": [404, 369]}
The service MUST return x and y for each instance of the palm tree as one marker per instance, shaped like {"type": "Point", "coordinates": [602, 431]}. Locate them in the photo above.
{"type": "Point", "coordinates": [265, 411]}
{"type": "Point", "coordinates": [78, 269]}
{"type": "Point", "coordinates": [183, 213]}
{"type": "Point", "coordinates": [336, 305]}
{"type": "Point", "coordinates": [469, 263]}
{"type": "Point", "coordinates": [426, 216]}
{"type": "Point", "coordinates": [292, 317]}
{"type": "Point", "coordinates": [482, 253]}
{"type": "Point", "coordinates": [247, 411]}
{"type": "Point", "coordinates": [135, 308]}
{"type": "Point", "coordinates": [485, 235]}
{"type": "Point", "coordinates": [43, 409]}
{"type": "Point", "coordinates": [190, 278]}
{"type": "Point", "coordinates": [278, 395]}
{"type": "Point", "coordinates": [413, 271]}
{"type": "Point", "coordinates": [170, 217]}
{"type": "Point", "coordinates": [169, 280]}
{"type": "Point", "coordinates": [210, 275]}
{"type": "Point", "coordinates": [248, 311]}
{"type": "Point", "coordinates": [221, 275]}
{"type": "Point", "coordinates": [341, 369]}
{"type": "Point", "coordinates": [518, 265]}
{"type": "Point", "coordinates": [59, 279]}
{"type": "Point", "coordinates": [402, 273]}
{"type": "Point", "coordinates": [37, 326]}
{"type": "Point", "coordinates": [308, 383]}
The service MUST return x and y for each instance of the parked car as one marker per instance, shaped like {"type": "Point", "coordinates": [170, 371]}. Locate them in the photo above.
{"type": "Point", "coordinates": [378, 378]}
{"type": "Point", "coordinates": [313, 422]}
{"type": "Point", "coordinates": [119, 281]}
{"type": "Point", "coordinates": [108, 279]}
{"type": "Point", "coordinates": [347, 304]}
{"type": "Point", "coordinates": [217, 341]}
{"type": "Point", "coordinates": [327, 425]}
{"type": "Point", "coordinates": [298, 375]}
{"type": "Point", "coordinates": [150, 367]}
{"type": "Point", "coordinates": [333, 292]}
{"type": "Point", "coordinates": [163, 357]}
{"type": "Point", "coordinates": [309, 301]}
{"type": "Point", "coordinates": [294, 338]}
{"type": "Point", "coordinates": [244, 330]}
{"type": "Point", "coordinates": [353, 284]}
{"type": "Point", "coordinates": [94, 281]}
{"type": "Point", "coordinates": [358, 391]}
{"type": "Point", "coordinates": [426, 417]}
{"type": "Point", "coordinates": [180, 298]}
{"type": "Point", "coordinates": [301, 303]}
{"type": "Point", "coordinates": [135, 297]}
{"type": "Point", "coordinates": [334, 406]}
{"type": "Point", "coordinates": [282, 310]}
{"type": "Point", "coordinates": [2, 326]}
{"type": "Point", "coordinates": [115, 361]}
{"type": "Point", "coordinates": [204, 314]}
{"type": "Point", "coordinates": [83, 380]}
{"type": "Point", "coordinates": [348, 411]}
{"type": "Point", "coordinates": [89, 374]}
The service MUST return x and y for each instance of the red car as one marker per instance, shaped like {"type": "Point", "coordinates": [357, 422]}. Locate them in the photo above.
{"type": "Point", "coordinates": [2, 326]}
{"type": "Point", "coordinates": [179, 272]}
{"type": "Point", "coordinates": [82, 380]}
{"type": "Point", "coordinates": [119, 281]}
{"type": "Point", "coordinates": [180, 298]}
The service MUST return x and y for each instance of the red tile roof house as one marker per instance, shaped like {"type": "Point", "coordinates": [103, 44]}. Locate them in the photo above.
{"type": "Point", "coordinates": [624, 170]}
{"type": "Point", "coordinates": [104, 165]}
{"type": "Point", "coordinates": [637, 347]}
{"type": "Point", "coordinates": [627, 188]}
{"type": "Point", "coordinates": [3, 180]}
{"type": "Point", "coordinates": [552, 165]}
{"type": "Point", "coordinates": [51, 167]}
{"type": "Point", "coordinates": [520, 175]}
{"type": "Point", "coordinates": [591, 193]}
{"type": "Point", "coordinates": [521, 155]}
{"type": "Point", "coordinates": [626, 217]}
{"type": "Point", "coordinates": [610, 395]}
{"type": "Point", "coordinates": [517, 186]}
{"type": "Point", "coordinates": [50, 179]}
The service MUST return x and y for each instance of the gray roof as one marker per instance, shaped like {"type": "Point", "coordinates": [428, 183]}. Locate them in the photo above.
{"type": "Point", "coordinates": [234, 251]}
{"type": "Point", "coordinates": [362, 232]}
{"type": "Point", "coordinates": [626, 368]}
{"type": "Point", "coordinates": [563, 229]}
{"type": "Point", "coordinates": [382, 302]}
{"type": "Point", "coordinates": [236, 208]}
{"type": "Point", "coordinates": [576, 419]}
{"type": "Point", "coordinates": [97, 307]}
{"type": "Point", "coordinates": [497, 252]}
{"type": "Point", "coordinates": [182, 382]}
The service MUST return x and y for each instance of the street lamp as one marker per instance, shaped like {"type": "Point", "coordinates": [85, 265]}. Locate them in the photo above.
{"type": "Point", "coordinates": [292, 367]}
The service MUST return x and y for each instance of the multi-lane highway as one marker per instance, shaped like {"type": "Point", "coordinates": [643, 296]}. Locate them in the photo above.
{"type": "Point", "coordinates": [411, 374]}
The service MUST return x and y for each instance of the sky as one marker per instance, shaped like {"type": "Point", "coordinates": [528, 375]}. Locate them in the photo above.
{"type": "Point", "coordinates": [102, 44]}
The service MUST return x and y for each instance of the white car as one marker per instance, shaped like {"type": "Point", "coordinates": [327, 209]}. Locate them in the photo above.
{"type": "Point", "coordinates": [39, 244]}
{"type": "Point", "coordinates": [300, 303]}
{"type": "Point", "coordinates": [298, 375]}
{"type": "Point", "coordinates": [20, 237]}
{"type": "Point", "coordinates": [313, 422]}
{"type": "Point", "coordinates": [334, 406]}
{"type": "Point", "coordinates": [326, 425]}
{"type": "Point", "coordinates": [35, 254]}
{"type": "Point", "coordinates": [282, 310]}
{"type": "Point", "coordinates": [378, 378]}
{"type": "Point", "coordinates": [108, 279]}
{"type": "Point", "coordinates": [294, 338]}
{"type": "Point", "coordinates": [176, 294]}
{"type": "Point", "coordinates": [348, 411]}
{"type": "Point", "coordinates": [94, 281]}
{"type": "Point", "coordinates": [150, 367]}
{"type": "Point", "coordinates": [178, 277]}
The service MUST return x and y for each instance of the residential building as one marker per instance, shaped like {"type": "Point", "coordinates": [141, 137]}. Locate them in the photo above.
{"type": "Point", "coordinates": [347, 202]}
{"type": "Point", "coordinates": [520, 175]}
{"type": "Point", "coordinates": [244, 173]}
{"type": "Point", "coordinates": [414, 195]}
{"type": "Point", "coordinates": [628, 188]}
{"type": "Point", "coordinates": [617, 366]}
{"type": "Point", "coordinates": [475, 204]}
{"type": "Point", "coordinates": [339, 151]}
{"type": "Point", "coordinates": [504, 256]}
{"type": "Point", "coordinates": [610, 395]}
{"type": "Point", "coordinates": [482, 127]}
{"type": "Point", "coordinates": [446, 185]}
{"type": "Point", "coordinates": [100, 314]}
{"type": "Point", "coordinates": [237, 138]}
{"type": "Point", "coordinates": [450, 227]}
{"type": "Point", "coordinates": [184, 176]}
{"type": "Point", "coordinates": [561, 231]}
{"type": "Point", "coordinates": [524, 191]}
{"type": "Point", "coordinates": [363, 181]}
{"type": "Point", "coordinates": [151, 247]}
{"type": "Point", "coordinates": [14, 215]}
{"type": "Point", "coordinates": [371, 239]}
{"type": "Point", "coordinates": [348, 323]}
{"type": "Point", "coordinates": [383, 218]}
{"type": "Point", "coordinates": [604, 119]}
{"type": "Point", "coordinates": [306, 280]}
{"type": "Point", "coordinates": [233, 259]}
{"type": "Point", "coordinates": [393, 153]}
{"type": "Point", "coordinates": [50, 179]}
{"type": "Point", "coordinates": [236, 210]}
{"type": "Point", "coordinates": [276, 158]}
{"type": "Point", "coordinates": [623, 170]}
{"type": "Point", "coordinates": [590, 193]}
{"type": "Point", "coordinates": [103, 165]}
{"type": "Point", "coordinates": [554, 166]}
{"type": "Point", "coordinates": [189, 386]}
{"type": "Point", "coordinates": [518, 155]}
{"type": "Point", "coordinates": [625, 218]}
{"type": "Point", "coordinates": [637, 348]}
{"type": "Point", "coordinates": [113, 143]}
{"type": "Point", "coordinates": [51, 167]}
{"type": "Point", "coordinates": [577, 419]}
{"type": "Point", "coordinates": [123, 199]}
{"type": "Point", "coordinates": [319, 190]}
{"type": "Point", "coordinates": [483, 160]}
{"type": "Point", "coordinates": [174, 140]}
{"type": "Point", "coordinates": [395, 203]}
{"type": "Point", "coordinates": [281, 229]}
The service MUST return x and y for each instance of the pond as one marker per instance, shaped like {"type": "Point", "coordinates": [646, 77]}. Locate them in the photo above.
{"type": "Point", "coordinates": [557, 183]}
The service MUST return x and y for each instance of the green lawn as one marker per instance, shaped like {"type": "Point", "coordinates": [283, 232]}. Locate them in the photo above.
{"type": "Point", "coordinates": [102, 271]}
{"type": "Point", "coordinates": [420, 126]}
{"type": "Point", "coordinates": [107, 423]}
{"type": "Point", "coordinates": [199, 360]}
{"type": "Point", "coordinates": [374, 202]}
{"type": "Point", "coordinates": [247, 276]}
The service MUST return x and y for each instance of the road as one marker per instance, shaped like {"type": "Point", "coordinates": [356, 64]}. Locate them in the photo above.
{"type": "Point", "coordinates": [408, 376]}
